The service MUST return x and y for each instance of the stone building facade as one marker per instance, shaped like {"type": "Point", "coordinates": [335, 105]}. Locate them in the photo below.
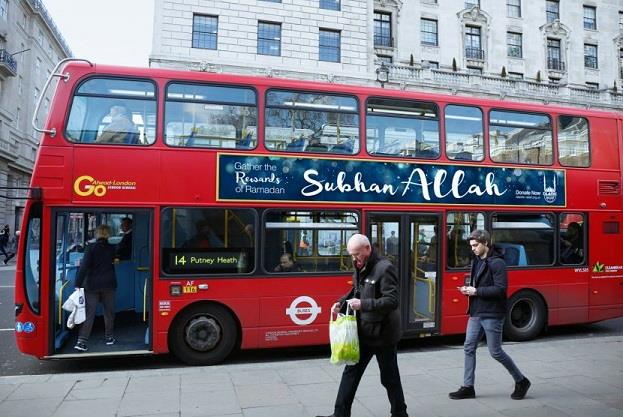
{"type": "Point", "coordinates": [567, 52]}
{"type": "Point", "coordinates": [30, 47]}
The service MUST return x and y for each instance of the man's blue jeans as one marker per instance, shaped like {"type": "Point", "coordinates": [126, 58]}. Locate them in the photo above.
{"type": "Point", "coordinates": [492, 328]}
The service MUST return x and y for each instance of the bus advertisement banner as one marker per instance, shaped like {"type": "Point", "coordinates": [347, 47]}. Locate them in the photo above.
{"type": "Point", "coordinates": [283, 178]}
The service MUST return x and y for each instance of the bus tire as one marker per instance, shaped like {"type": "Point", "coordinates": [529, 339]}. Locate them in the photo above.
{"type": "Point", "coordinates": [203, 334]}
{"type": "Point", "coordinates": [525, 317]}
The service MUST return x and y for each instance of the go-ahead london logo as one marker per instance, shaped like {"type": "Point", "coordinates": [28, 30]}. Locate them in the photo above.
{"type": "Point", "coordinates": [310, 311]}
{"type": "Point", "coordinates": [86, 185]}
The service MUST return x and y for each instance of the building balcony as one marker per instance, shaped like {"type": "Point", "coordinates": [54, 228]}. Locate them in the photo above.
{"type": "Point", "coordinates": [475, 54]}
{"type": "Point", "coordinates": [486, 85]}
{"type": "Point", "coordinates": [555, 64]}
{"type": "Point", "coordinates": [383, 41]}
{"type": "Point", "coordinates": [8, 65]}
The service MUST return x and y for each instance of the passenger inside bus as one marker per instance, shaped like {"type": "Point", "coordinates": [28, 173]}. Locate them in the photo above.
{"type": "Point", "coordinates": [205, 237]}
{"type": "Point", "coordinates": [124, 247]}
{"type": "Point", "coordinates": [120, 129]}
{"type": "Point", "coordinates": [572, 245]}
{"type": "Point", "coordinates": [287, 264]}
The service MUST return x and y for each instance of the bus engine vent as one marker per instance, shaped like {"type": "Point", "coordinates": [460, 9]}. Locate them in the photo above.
{"type": "Point", "coordinates": [609, 188]}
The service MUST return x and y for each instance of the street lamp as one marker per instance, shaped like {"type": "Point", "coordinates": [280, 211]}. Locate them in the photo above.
{"type": "Point", "coordinates": [382, 74]}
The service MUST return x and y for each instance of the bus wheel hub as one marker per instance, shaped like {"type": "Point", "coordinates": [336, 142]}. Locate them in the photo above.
{"type": "Point", "coordinates": [203, 333]}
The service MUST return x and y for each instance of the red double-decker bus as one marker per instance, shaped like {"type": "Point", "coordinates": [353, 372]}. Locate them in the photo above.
{"type": "Point", "coordinates": [243, 191]}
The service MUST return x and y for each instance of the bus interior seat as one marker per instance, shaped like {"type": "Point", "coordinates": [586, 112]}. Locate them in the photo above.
{"type": "Point", "coordinates": [245, 142]}
{"type": "Point", "coordinates": [297, 145]}
{"type": "Point", "coordinates": [463, 156]}
{"type": "Point", "coordinates": [131, 138]}
{"type": "Point", "coordinates": [514, 254]}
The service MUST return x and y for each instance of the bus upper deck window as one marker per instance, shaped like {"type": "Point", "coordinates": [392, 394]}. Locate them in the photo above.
{"type": "Point", "coordinates": [464, 133]}
{"type": "Point", "coordinates": [402, 128]}
{"type": "Point", "coordinates": [520, 138]}
{"type": "Point", "coordinates": [310, 122]}
{"type": "Point", "coordinates": [113, 111]}
{"type": "Point", "coordinates": [210, 116]}
{"type": "Point", "coordinates": [573, 141]}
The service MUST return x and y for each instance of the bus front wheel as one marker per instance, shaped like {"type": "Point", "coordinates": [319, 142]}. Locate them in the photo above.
{"type": "Point", "coordinates": [526, 316]}
{"type": "Point", "coordinates": [203, 335]}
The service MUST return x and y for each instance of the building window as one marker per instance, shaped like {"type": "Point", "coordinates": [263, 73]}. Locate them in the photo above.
{"type": "Point", "coordinates": [4, 9]}
{"type": "Point", "coordinates": [37, 66]}
{"type": "Point", "coordinates": [471, 3]}
{"type": "Point", "coordinates": [592, 86]}
{"type": "Point", "coordinates": [515, 75]}
{"type": "Point", "coordinates": [205, 31]}
{"type": "Point", "coordinates": [473, 45]}
{"type": "Point", "coordinates": [269, 38]}
{"type": "Point", "coordinates": [20, 85]}
{"type": "Point", "coordinates": [513, 8]}
{"type": "Point", "coordinates": [590, 18]}
{"type": "Point", "coordinates": [514, 44]}
{"type": "Point", "coordinates": [590, 56]}
{"type": "Point", "coordinates": [429, 32]}
{"type": "Point", "coordinates": [621, 63]}
{"type": "Point", "coordinates": [474, 70]}
{"type": "Point", "coordinates": [432, 64]}
{"type": "Point", "coordinates": [554, 58]}
{"type": "Point", "coordinates": [384, 58]}
{"type": "Point", "coordinates": [383, 29]}
{"type": "Point", "coordinates": [330, 45]}
{"type": "Point", "coordinates": [621, 22]}
{"type": "Point", "coordinates": [552, 10]}
{"type": "Point", "coordinates": [330, 4]}
{"type": "Point", "coordinates": [36, 95]}
{"type": "Point", "coordinates": [40, 37]}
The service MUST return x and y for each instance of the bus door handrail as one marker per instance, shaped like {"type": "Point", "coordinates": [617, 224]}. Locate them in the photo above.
{"type": "Point", "coordinates": [65, 77]}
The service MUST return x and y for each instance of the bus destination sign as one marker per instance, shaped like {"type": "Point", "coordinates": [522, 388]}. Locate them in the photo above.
{"type": "Point", "coordinates": [274, 178]}
{"type": "Point", "coordinates": [202, 260]}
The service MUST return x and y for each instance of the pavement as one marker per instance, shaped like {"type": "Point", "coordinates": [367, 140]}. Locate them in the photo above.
{"type": "Point", "coordinates": [572, 377]}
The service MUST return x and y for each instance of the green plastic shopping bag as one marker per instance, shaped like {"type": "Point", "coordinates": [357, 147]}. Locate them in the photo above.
{"type": "Point", "coordinates": [344, 339]}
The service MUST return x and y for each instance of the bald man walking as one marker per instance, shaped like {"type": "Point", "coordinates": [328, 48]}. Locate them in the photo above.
{"type": "Point", "coordinates": [375, 295]}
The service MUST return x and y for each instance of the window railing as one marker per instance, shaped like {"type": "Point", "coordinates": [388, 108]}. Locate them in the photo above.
{"type": "Point", "coordinates": [475, 53]}
{"type": "Point", "coordinates": [383, 41]}
{"type": "Point", "coordinates": [8, 60]}
{"type": "Point", "coordinates": [555, 64]}
{"type": "Point", "coordinates": [590, 61]}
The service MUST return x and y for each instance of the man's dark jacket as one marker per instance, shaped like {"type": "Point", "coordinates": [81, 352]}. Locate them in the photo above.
{"type": "Point", "coordinates": [376, 285]}
{"type": "Point", "coordinates": [489, 277]}
{"type": "Point", "coordinates": [97, 267]}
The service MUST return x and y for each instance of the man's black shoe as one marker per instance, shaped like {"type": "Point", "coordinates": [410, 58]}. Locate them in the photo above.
{"type": "Point", "coordinates": [521, 388]}
{"type": "Point", "coordinates": [463, 393]}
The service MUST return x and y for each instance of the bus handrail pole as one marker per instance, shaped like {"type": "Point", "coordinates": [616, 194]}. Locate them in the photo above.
{"type": "Point", "coordinates": [65, 77]}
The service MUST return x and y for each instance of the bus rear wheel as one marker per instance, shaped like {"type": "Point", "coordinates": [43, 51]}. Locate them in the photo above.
{"type": "Point", "coordinates": [526, 316]}
{"type": "Point", "coordinates": [203, 335]}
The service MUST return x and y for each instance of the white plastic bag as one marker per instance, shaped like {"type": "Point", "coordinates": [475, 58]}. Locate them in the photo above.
{"type": "Point", "coordinates": [76, 305]}
{"type": "Point", "coordinates": [344, 338]}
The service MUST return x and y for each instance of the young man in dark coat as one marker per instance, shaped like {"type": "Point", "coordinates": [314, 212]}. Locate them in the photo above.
{"type": "Point", "coordinates": [487, 310]}
{"type": "Point", "coordinates": [97, 276]}
{"type": "Point", "coordinates": [375, 296]}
